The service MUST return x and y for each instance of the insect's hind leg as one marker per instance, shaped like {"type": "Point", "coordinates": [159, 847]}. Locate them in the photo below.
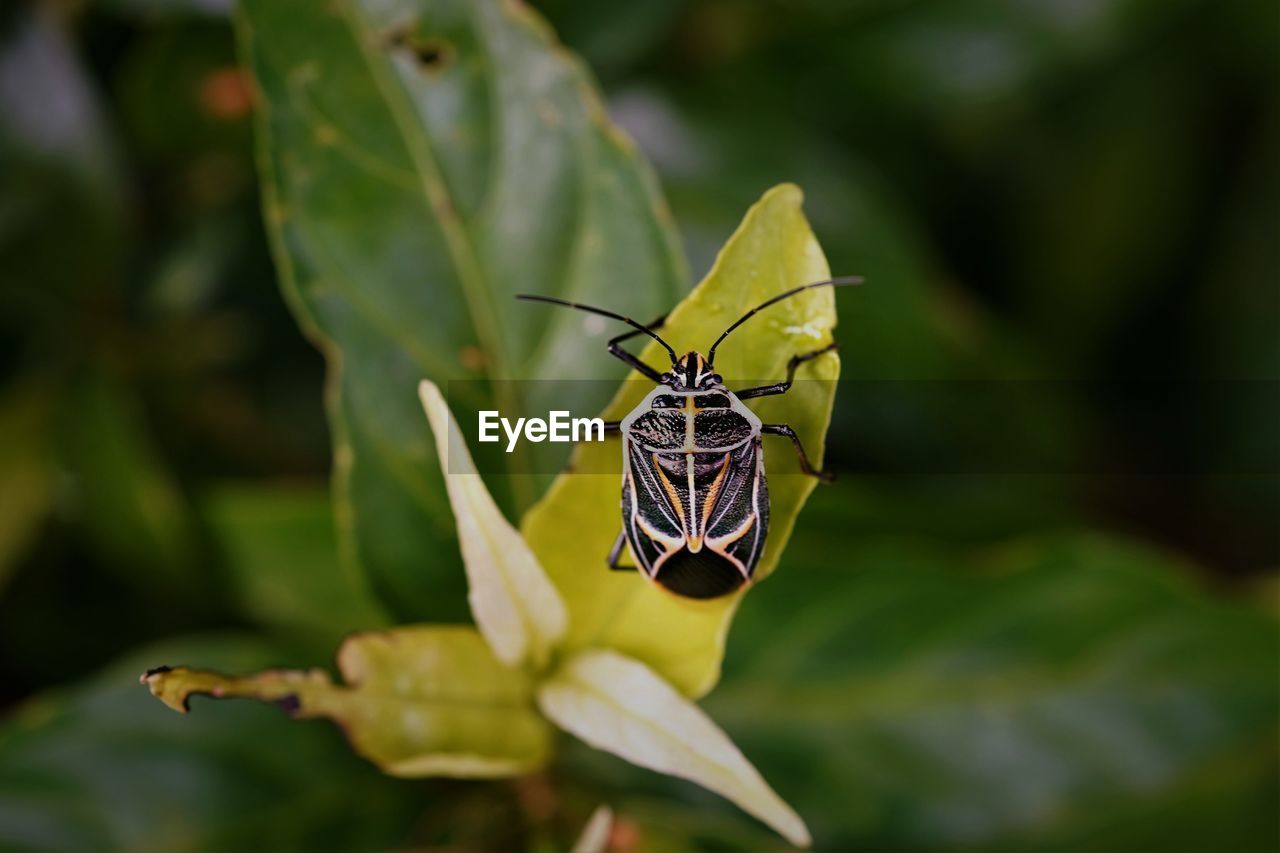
{"type": "Point", "coordinates": [615, 554]}
{"type": "Point", "coordinates": [805, 465]}
{"type": "Point", "coordinates": [784, 386]}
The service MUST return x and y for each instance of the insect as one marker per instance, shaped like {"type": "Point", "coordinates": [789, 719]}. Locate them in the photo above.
{"type": "Point", "coordinates": [695, 498]}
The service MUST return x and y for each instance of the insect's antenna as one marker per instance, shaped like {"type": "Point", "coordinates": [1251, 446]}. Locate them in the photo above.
{"type": "Point", "coordinates": [528, 297]}
{"type": "Point", "coordinates": [834, 282]}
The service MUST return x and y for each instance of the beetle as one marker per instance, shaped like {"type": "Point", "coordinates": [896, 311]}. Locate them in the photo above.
{"type": "Point", "coordinates": [695, 498]}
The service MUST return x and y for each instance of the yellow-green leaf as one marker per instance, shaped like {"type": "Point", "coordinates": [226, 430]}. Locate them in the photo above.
{"type": "Point", "coordinates": [418, 701]}
{"type": "Point", "coordinates": [572, 528]}
{"type": "Point", "coordinates": [514, 603]}
{"type": "Point", "coordinates": [620, 705]}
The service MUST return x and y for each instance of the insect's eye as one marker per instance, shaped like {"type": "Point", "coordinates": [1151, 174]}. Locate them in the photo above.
{"type": "Point", "coordinates": [668, 401]}
{"type": "Point", "coordinates": [665, 378]}
{"type": "Point", "coordinates": [711, 401]}
{"type": "Point", "coordinates": [715, 379]}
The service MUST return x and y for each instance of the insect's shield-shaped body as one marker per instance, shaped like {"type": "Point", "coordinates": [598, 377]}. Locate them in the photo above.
{"type": "Point", "coordinates": [695, 502]}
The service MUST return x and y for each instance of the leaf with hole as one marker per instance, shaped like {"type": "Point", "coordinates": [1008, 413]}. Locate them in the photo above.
{"type": "Point", "coordinates": [422, 163]}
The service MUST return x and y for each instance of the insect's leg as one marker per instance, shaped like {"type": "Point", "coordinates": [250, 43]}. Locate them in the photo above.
{"type": "Point", "coordinates": [783, 387]}
{"type": "Point", "coordinates": [613, 426]}
{"type": "Point", "coordinates": [616, 350]}
{"type": "Point", "coordinates": [615, 554]}
{"type": "Point", "coordinates": [805, 464]}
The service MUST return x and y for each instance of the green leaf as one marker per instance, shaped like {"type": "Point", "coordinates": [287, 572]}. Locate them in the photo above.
{"type": "Point", "coordinates": [1072, 693]}
{"type": "Point", "coordinates": [129, 501]}
{"type": "Point", "coordinates": [420, 701]}
{"type": "Point", "coordinates": [515, 605]}
{"type": "Point", "coordinates": [26, 474]}
{"type": "Point", "coordinates": [282, 554]}
{"type": "Point", "coordinates": [573, 527]}
{"type": "Point", "coordinates": [423, 163]}
{"type": "Point", "coordinates": [620, 705]}
{"type": "Point", "coordinates": [102, 766]}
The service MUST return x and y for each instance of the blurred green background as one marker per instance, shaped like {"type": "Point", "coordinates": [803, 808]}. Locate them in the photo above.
{"type": "Point", "coordinates": [1080, 198]}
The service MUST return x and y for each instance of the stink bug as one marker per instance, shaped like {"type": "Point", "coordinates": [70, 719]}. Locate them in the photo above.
{"type": "Point", "coordinates": [695, 500]}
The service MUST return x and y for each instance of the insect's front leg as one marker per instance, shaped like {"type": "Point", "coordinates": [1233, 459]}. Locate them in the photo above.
{"type": "Point", "coordinates": [805, 465]}
{"type": "Point", "coordinates": [616, 350]}
{"type": "Point", "coordinates": [783, 387]}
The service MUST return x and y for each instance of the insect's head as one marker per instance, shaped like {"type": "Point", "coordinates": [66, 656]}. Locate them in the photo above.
{"type": "Point", "coordinates": [692, 372]}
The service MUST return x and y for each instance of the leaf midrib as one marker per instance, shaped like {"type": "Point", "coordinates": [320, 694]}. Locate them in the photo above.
{"type": "Point", "coordinates": [444, 702]}
{"type": "Point", "coordinates": [462, 251]}
{"type": "Point", "coordinates": [431, 180]}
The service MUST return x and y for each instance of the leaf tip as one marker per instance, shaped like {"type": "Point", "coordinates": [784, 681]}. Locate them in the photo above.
{"type": "Point", "coordinates": [429, 394]}
{"type": "Point", "coordinates": [153, 673]}
{"type": "Point", "coordinates": [797, 833]}
{"type": "Point", "coordinates": [785, 193]}
{"type": "Point", "coordinates": [156, 682]}
{"type": "Point", "coordinates": [619, 704]}
{"type": "Point", "coordinates": [595, 835]}
{"type": "Point", "coordinates": [438, 417]}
